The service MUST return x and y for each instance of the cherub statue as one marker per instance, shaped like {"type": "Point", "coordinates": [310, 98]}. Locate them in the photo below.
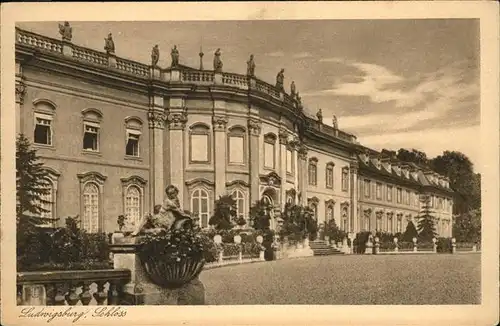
{"type": "Point", "coordinates": [66, 31]}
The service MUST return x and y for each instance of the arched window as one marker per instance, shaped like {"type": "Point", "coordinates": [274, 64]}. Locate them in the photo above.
{"type": "Point", "coordinates": [90, 221]}
{"type": "Point", "coordinates": [313, 171]}
{"type": "Point", "coordinates": [199, 206]}
{"type": "Point", "coordinates": [313, 204]}
{"type": "Point", "coordinates": [366, 220]}
{"type": "Point", "coordinates": [378, 222]}
{"type": "Point", "coordinates": [240, 203]}
{"type": "Point", "coordinates": [269, 150]}
{"type": "Point", "coordinates": [91, 129]}
{"type": "Point", "coordinates": [399, 226]}
{"type": "Point", "coordinates": [330, 212]}
{"type": "Point", "coordinates": [199, 143]}
{"type": "Point", "coordinates": [44, 127]}
{"type": "Point", "coordinates": [390, 227]}
{"type": "Point", "coordinates": [133, 204]}
{"type": "Point", "coordinates": [344, 219]}
{"type": "Point", "coordinates": [133, 133]}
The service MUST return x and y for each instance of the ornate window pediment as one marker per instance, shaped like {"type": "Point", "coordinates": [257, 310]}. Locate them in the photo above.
{"type": "Point", "coordinates": [236, 183]}
{"type": "Point", "coordinates": [271, 179]}
{"type": "Point", "coordinates": [200, 182]}
{"type": "Point", "coordinates": [92, 176]}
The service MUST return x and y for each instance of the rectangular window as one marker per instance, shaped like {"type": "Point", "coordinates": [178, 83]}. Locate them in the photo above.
{"type": "Point", "coordinates": [313, 180]}
{"type": "Point", "coordinates": [236, 150]}
{"type": "Point", "coordinates": [379, 190]}
{"type": "Point", "coordinates": [329, 176]}
{"type": "Point", "coordinates": [289, 161]}
{"type": "Point", "coordinates": [43, 129]}
{"type": "Point", "coordinates": [416, 200]}
{"type": "Point", "coordinates": [345, 179]}
{"type": "Point", "coordinates": [389, 193]}
{"type": "Point", "coordinates": [199, 148]}
{"type": "Point", "coordinates": [367, 188]}
{"type": "Point", "coordinates": [399, 226]}
{"type": "Point", "coordinates": [269, 155]}
{"type": "Point", "coordinates": [132, 148]}
{"type": "Point", "coordinates": [399, 194]}
{"type": "Point", "coordinates": [91, 137]}
{"type": "Point", "coordinates": [407, 197]}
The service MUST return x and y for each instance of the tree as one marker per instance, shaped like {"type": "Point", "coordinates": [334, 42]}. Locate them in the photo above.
{"type": "Point", "coordinates": [259, 215]}
{"type": "Point", "coordinates": [333, 231]}
{"type": "Point", "coordinates": [467, 226]}
{"type": "Point", "coordinates": [413, 155]}
{"type": "Point", "coordinates": [32, 183]}
{"type": "Point", "coordinates": [426, 226]}
{"type": "Point", "coordinates": [410, 232]}
{"type": "Point", "coordinates": [225, 213]}
{"type": "Point", "coordinates": [298, 221]}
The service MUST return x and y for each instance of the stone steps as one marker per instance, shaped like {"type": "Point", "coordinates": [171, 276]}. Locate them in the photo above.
{"type": "Point", "coordinates": [320, 248]}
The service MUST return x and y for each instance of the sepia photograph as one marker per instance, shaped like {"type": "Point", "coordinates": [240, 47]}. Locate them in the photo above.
{"type": "Point", "coordinates": [236, 162]}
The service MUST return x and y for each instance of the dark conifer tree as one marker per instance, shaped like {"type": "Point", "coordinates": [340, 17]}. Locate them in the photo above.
{"type": "Point", "coordinates": [426, 225]}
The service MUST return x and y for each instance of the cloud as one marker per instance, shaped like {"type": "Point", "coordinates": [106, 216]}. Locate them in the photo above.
{"type": "Point", "coordinates": [276, 54]}
{"type": "Point", "coordinates": [302, 55]}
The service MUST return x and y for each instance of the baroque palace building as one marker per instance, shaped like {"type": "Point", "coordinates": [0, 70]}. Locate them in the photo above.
{"type": "Point", "coordinates": [113, 133]}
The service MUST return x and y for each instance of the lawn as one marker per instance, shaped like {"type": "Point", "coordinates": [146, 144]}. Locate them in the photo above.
{"type": "Point", "coordinates": [349, 280]}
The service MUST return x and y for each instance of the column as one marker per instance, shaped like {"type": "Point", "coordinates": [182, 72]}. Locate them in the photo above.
{"type": "Point", "coordinates": [254, 130]}
{"type": "Point", "coordinates": [354, 197]}
{"type": "Point", "coordinates": [283, 140]}
{"type": "Point", "coordinates": [20, 92]}
{"type": "Point", "coordinates": [302, 171]}
{"type": "Point", "coordinates": [156, 120]}
{"type": "Point", "coordinates": [219, 126]}
{"type": "Point", "coordinates": [177, 119]}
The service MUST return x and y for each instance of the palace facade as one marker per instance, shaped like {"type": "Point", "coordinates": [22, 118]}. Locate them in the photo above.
{"type": "Point", "coordinates": [113, 133]}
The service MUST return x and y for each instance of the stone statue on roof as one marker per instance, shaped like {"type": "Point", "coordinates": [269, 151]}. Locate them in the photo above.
{"type": "Point", "coordinates": [319, 115]}
{"type": "Point", "coordinates": [155, 55]}
{"type": "Point", "coordinates": [335, 123]}
{"type": "Point", "coordinates": [251, 67]}
{"type": "Point", "coordinates": [66, 31]}
{"type": "Point", "coordinates": [293, 89]}
{"type": "Point", "coordinates": [109, 45]}
{"type": "Point", "coordinates": [175, 56]}
{"type": "Point", "coordinates": [280, 79]}
{"type": "Point", "coordinates": [217, 61]}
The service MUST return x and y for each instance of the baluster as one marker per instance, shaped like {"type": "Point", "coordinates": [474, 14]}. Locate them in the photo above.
{"type": "Point", "coordinates": [50, 291]}
{"type": "Point", "coordinates": [19, 290]}
{"type": "Point", "coordinates": [72, 297]}
{"type": "Point", "coordinates": [100, 296]}
{"type": "Point", "coordinates": [59, 299]}
{"type": "Point", "coordinates": [85, 296]}
{"type": "Point", "coordinates": [113, 293]}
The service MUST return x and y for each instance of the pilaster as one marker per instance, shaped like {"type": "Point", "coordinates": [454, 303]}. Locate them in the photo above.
{"type": "Point", "coordinates": [254, 129]}
{"type": "Point", "coordinates": [353, 220]}
{"type": "Point", "coordinates": [302, 172]}
{"type": "Point", "coordinates": [219, 123]}
{"type": "Point", "coordinates": [283, 140]}
{"type": "Point", "coordinates": [176, 121]}
{"type": "Point", "coordinates": [156, 120]}
{"type": "Point", "coordinates": [20, 93]}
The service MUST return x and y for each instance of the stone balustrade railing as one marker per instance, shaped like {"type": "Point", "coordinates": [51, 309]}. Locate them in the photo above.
{"type": "Point", "coordinates": [85, 287]}
{"type": "Point", "coordinates": [38, 41]}
{"type": "Point", "coordinates": [197, 76]}
{"type": "Point", "coordinates": [89, 55]}
{"type": "Point", "coordinates": [132, 67]}
{"type": "Point", "coordinates": [239, 81]}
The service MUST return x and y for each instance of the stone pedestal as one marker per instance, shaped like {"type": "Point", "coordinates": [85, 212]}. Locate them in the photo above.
{"type": "Point", "coordinates": [218, 78]}
{"type": "Point", "coordinates": [67, 49]}
{"type": "Point", "coordinates": [112, 60]}
{"type": "Point", "coordinates": [140, 290]}
{"type": "Point", "coordinates": [155, 73]}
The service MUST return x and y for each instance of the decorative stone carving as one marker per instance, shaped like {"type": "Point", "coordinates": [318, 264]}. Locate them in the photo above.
{"type": "Point", "coordinates": [155, 55]}
{"type": "Point", "coordinates": [254, 127]}
{"type": "Point", "coordinates": [280, 79]}
{"type": "Point", "coordinates": [353, 166]}
{"type": "Point", "coordinates": [109, 44]}
{"type": "Point", "coordinates": [177, 121]}
{"type": "Point", "coordinates": [156, 120]}
{"type": "Point", "coordinates": [251, 67]}
{"type": "Point", "coordinates": [219, 123]}
{"type": "Point", "coordinates": [302, 152]}
{"type": "Point", "coordinates": [272, 179]}
{"type": "Point", "coordinates": [66, 31]}
{"type": "Point", "coordinates": [20, 92]}
{"type": "Point", "coordinates": [175, 57]}
{"type": "Point", "coordinates": [217, 61]}
{"type": "Point", "coordinates": [283, 136]}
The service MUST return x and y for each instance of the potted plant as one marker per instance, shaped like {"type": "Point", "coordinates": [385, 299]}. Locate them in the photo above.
{"type": "Point", "coordinates": [172, 258]}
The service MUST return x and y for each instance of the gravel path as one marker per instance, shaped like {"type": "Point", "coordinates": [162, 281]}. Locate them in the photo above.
{"type": "Point", "coordinates": [349, 280]}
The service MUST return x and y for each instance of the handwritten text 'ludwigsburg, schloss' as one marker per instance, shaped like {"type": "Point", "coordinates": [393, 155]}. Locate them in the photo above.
{"type": "Point", "coordinates": [75, 314]}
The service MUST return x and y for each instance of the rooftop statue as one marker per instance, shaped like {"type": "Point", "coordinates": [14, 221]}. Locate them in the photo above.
{"type": "Point", "coordinates": [66, 32]}
{"type": "Point", "coordinates": [320, 116]}
{"type": "Point", "coordinates": [293, 90]}
{"type": "Point", "coordinates": [251, 67]}
{"type": "Point", "coordinates": [217, 61]}
{"type": "Point", "coordinates": [175, 56]}
{"type": "Point", "coordinates": [335, 122]}
{"type": "Point", "coordinates": [280, 79]}
{"type": "Point", "coordinates": [299, 101]}
{"type": "Point", "coordinates": [109, 45]}
{"type": "Point", "coordinates": [167, 216]}
{"type": "Point", "coordinates": [155, 55]}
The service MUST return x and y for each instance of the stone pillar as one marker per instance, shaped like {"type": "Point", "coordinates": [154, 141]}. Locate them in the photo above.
{"type": "Point", "coordinates": [254, 129]}
{"type": "Point", "coordinates": [156, 120]}
{"type": "Point", "coordinates": [177, 119]}
{"type": "Point", "coordinates": [353, 220]}
{"type": "Point", "coordinates": [283, 140]}
{"type": "Point", "coordinates": [219, 127]}
{"type": "Point", "coordinates": [140, 290]}
{"type": "Point", "coordinates": [302, 171]}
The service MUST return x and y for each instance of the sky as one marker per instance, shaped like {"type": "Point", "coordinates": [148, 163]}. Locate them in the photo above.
{"type": "Point", "coordinates": [392, 83]}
